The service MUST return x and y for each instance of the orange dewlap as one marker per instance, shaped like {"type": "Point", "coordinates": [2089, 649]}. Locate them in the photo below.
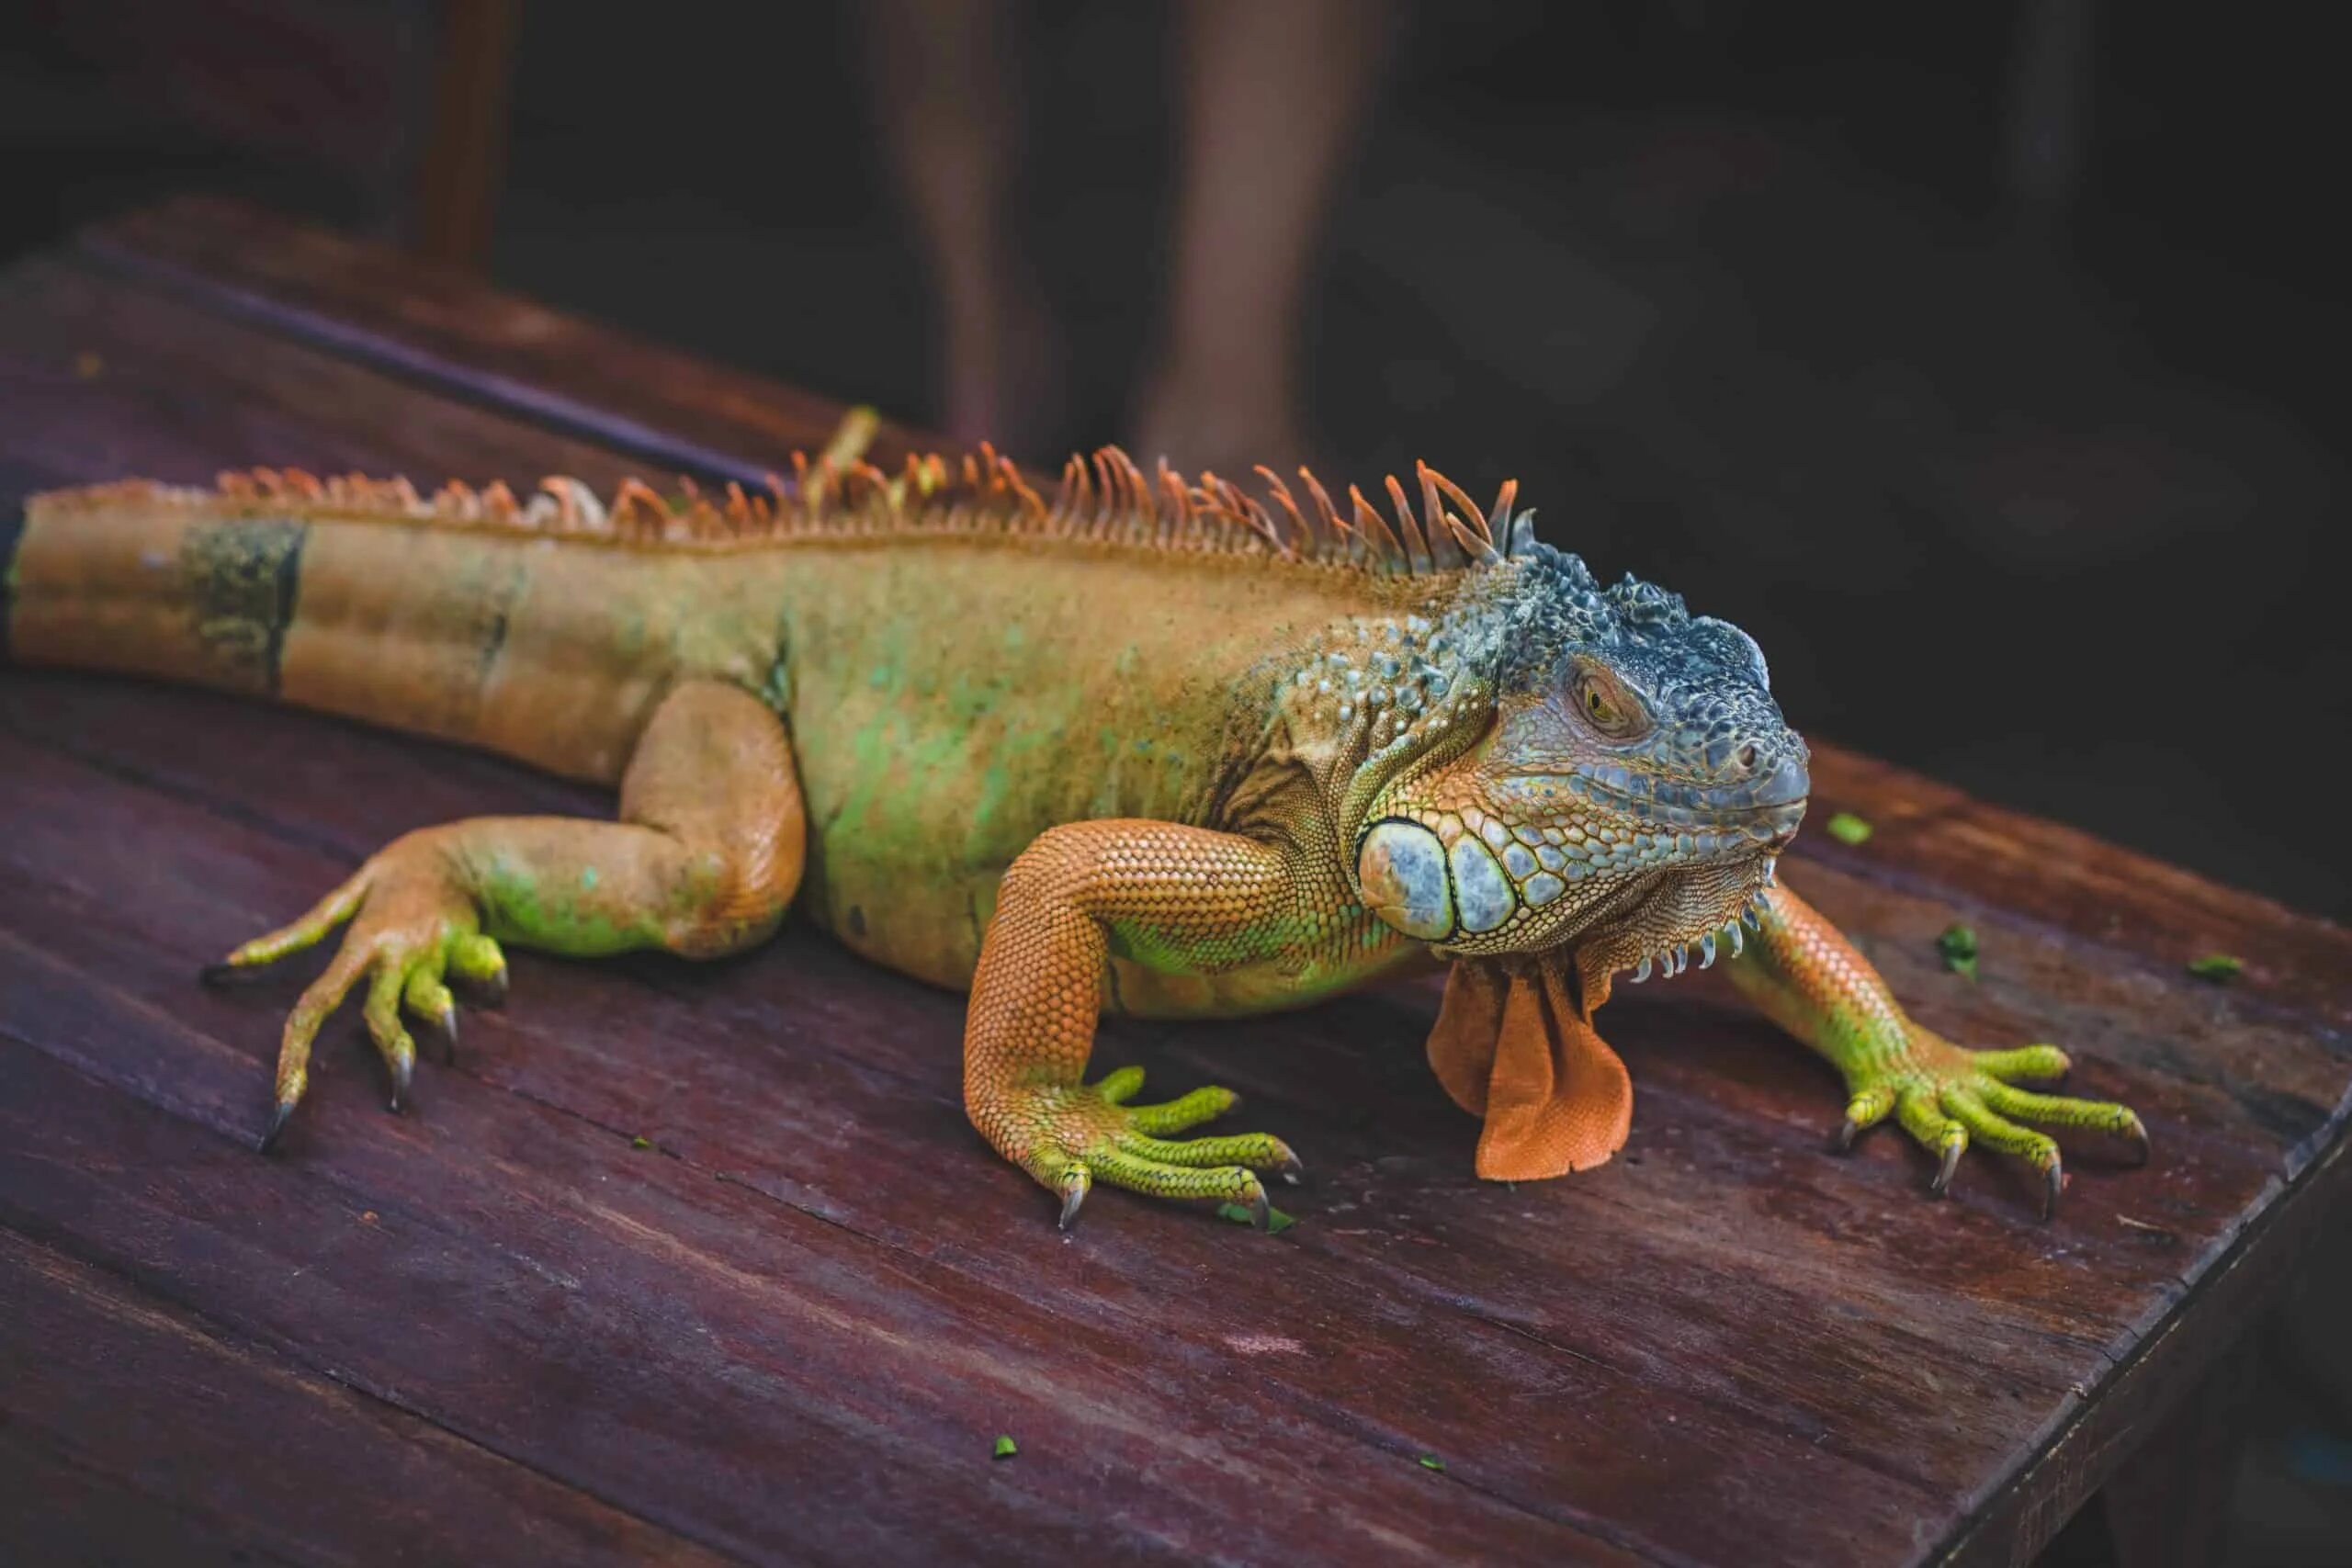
{"type": "Point", "coordinates": [1515, 1046]}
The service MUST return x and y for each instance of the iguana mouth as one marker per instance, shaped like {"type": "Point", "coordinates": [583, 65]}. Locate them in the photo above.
{"type": "Point", "coordinates": [1775, 804]}
{"type": "Point", "coordinates": [1652, 923]}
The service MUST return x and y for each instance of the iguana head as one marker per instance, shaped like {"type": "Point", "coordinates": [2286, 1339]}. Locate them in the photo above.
{"type": "Point", "coordinates": [1585, 768]}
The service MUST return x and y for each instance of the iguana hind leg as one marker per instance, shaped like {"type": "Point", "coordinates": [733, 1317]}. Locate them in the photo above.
{"type": "Point", "coordinates": [705, 855]}
{"type": "Point", "coordinates": [1178, 899]}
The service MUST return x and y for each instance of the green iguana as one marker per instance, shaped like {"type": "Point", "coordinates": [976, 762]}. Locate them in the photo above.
{"type": "Point", "coordinates": [1206, 752]}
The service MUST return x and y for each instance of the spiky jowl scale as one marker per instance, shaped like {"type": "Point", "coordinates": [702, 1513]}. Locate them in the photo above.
{"type": "Point", "coordinates": [1134, 740]}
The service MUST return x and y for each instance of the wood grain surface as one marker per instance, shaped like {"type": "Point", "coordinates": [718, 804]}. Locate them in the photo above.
{"type": "Point", "coordinates": [790, 1326]}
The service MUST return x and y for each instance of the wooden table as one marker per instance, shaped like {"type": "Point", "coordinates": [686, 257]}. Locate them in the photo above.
{"type": "Point", "coordinates": [789, 1324]}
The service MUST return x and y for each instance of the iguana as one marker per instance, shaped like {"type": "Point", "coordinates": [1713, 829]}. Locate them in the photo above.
{"type": "Point", "coordinates": [1135, 742]}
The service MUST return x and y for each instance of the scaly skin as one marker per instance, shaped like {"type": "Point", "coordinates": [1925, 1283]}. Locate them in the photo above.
{"type": "Point", "coordinates": [1162, 748]}
{"type": "Point", "coordinates": [1807, 979]}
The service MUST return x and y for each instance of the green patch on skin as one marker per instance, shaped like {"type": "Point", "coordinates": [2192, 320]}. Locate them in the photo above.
{"type": "Point", "coordinates": [1276, 1221]}
{"type": "Point", "coordinates": [240, 578]}
{"type": "Point", "coordinates": [640, 1142]}
{"type": "Point", "coordinates": [2218, 968]}
{"type": "Point", "coordinates": [1958, 946]}
{"type": "Point", "coordinates": [517, 908]}
{"type": "Point", "coordinates": [1004, 1446]}
{"type": "Point", "coordinates": [1431, 1461]}
{"type": "Point", "coordinates": [588, 878]}
{"type": "Point", "coordinates": [1847, 829]}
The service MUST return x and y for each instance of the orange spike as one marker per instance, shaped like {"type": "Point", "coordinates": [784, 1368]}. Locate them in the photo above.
{"type": "Point", "coordinates": [1375, 527]}
{"type": "Point", "coordinates": [1471, 517]}
{"type": "Point", "coordinates": [1105, 488]}
{"type": "Point", "coordinates": [235, 486]}
{"type": "Point", "coordinates": [1417, 548]}
{"type": "Point", "coordinates": [1436, 521]}
{"type": "Point", "coordinates": [1498, 523]}
{"type": "Point", "coordinates": [1133, 492]}
{"type": "Point", "coordinates": [499, 502]}
{"type": "Point", "coordinates": [1301, 529]}
{"type": "Point", "coordinates": [1332, 522]}
{"type": "Point", "coordinates": [567, 505]}
{"type": "Point", "coordinates": [1245, 511]}
{"type": "Point", "coordinates": [1176, 516]}
{"type": "Point", "coordinates": [404, 492]}
{"type": "Point", "coordinates": [632, 494]}
{"type": "Point", "coordinates": [305, 485]}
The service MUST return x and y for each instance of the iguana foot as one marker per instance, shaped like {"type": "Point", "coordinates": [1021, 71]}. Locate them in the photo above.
{"type": "Point", "coordinates": [1947, 1096]}
{"type": "Point", "coordinates": [1070, 1136]}
{"type": "Point", "coordinates": [413, 930]}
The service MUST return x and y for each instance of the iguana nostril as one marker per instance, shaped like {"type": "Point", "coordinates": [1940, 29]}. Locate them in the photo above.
{"type": "Point", "coordinates": [1748, 758]}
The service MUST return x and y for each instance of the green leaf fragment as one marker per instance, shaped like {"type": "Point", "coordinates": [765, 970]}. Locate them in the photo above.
{"type": "Point", "coordinates": [1276, 1221]}
{"type": "Point", "coordinates": [640, 1142]}
{"type": "Point", "coordinates": [1958, 945]}
{"type": "Point", "coordinates": [1005, 1447]}
{"type": "Point", "coordinates": [1431, 1461]}
{"type": "Point", "coordinates": [2218, 967]}
{"type": "Point", "coordinates": [1846, 828]}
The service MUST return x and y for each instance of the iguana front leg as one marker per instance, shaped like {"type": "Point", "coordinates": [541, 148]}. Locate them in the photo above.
{"type": "Point", "coordinates": [1177, 898]}
{"type": "Point", "coordinates": [705, 855]}
{"type": "Point", "coordinates": [1809, 979]}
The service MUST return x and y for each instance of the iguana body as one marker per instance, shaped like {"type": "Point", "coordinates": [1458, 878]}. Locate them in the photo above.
{"type": "Point", "coordinates": [1168, 750]}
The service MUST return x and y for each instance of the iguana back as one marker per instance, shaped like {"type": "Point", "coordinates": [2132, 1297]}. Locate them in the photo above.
{"type": "Point", "coordinates": [958, 671]}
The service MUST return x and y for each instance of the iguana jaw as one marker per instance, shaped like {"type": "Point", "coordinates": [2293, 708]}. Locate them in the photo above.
{"type": "Point", "coordinates": [1472, 881]}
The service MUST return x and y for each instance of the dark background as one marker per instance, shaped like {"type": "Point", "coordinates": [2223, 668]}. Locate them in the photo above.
{"type": "Point", "coordinates": [2035, 484]}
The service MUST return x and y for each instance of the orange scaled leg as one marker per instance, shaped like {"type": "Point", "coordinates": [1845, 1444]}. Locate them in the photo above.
{"type": "Point", "coordinates": [1173, 897]}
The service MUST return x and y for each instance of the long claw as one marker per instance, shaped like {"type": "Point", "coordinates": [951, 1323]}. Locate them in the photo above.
{"type": "Point", "coordinates": [1076, 1183]}
{"type": "Point", "coordinates": [2053, 1181]}
{"type": "Point", "coordinates": [1847, 1135]}
{"type": "Point", "coordinates": [1953, 1149]}
{"type": "Point", "coordinates": [2136, 1133]}
{"type": "Point", "coordinates": [217, 975]}
{"type": "Point", "coordinates": [1293, 1171]}
{"type": "Point", "coordinates": [277, 1120]}
{"type": "Point", "coordinates": [403, 1068]}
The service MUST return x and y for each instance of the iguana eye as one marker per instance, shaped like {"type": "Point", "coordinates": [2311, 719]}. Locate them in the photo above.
{"type": "Point", "coordinates": [1607, 706]}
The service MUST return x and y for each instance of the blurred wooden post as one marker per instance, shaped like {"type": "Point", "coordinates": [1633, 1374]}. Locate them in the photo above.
{"type": "Point", "coordinates": [465, 151]}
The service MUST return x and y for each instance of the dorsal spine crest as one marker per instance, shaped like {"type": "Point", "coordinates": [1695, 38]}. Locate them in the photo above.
{"type": "Point", "coordinates": [1101, 497]}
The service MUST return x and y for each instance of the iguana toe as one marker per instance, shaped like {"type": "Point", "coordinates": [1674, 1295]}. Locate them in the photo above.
{"type": "Point", "coordinates": [1081, 1134]}
{"type": "Point", "coordinates": [1951, 1099]}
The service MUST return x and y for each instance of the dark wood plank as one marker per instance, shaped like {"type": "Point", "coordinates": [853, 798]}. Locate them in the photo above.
{"type": "Point", "coordinates": [1747, 1271]}
{"type": "Point", "coordinates": [1702, 1352]}
{"type": "Point", "coordinates": [440, 327]}
{"type": "Point", "coordinates": [141, 1426]}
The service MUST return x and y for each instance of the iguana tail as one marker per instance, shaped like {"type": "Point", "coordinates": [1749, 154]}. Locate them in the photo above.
{"type": "Point", "coordinates": [473, 616]}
